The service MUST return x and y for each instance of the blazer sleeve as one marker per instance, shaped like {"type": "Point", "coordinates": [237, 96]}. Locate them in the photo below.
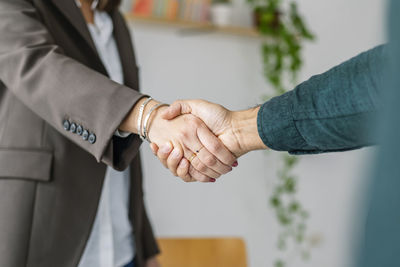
{"type": "Point", "coordinates": [333, 111]}
{"type": "Point", "coordinates": [58, 88]}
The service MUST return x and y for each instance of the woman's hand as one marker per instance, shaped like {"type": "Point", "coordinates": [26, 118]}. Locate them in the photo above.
{"type": "Point", "coordinates": [188, 137]}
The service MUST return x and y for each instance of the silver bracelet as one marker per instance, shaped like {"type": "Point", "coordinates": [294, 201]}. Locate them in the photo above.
{"type": "Point", "coordinates": [146, 120]}
{"type": "Point", "coordinates": [140, 117]}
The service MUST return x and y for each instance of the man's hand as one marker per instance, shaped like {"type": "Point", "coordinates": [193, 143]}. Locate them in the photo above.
{"type": "Point", "coordinates": [237, 130]}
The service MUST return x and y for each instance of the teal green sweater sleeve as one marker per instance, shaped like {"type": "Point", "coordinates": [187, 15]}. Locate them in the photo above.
{"type": "Point", "coordinates": [330, 112]}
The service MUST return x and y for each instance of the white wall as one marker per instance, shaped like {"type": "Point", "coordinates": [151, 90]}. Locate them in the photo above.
{"type": "Point", "coordinates": [228, 70]}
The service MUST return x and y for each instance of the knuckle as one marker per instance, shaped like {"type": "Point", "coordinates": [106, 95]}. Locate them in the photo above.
{"type": "Point", "coordinates": [210, 160]}
{"type": "Point", "coordinates": [184, 134]}
{"type": "Point", "coordinates": [215, 146]}
{"type": "Point", "coordinates": [201, 167]}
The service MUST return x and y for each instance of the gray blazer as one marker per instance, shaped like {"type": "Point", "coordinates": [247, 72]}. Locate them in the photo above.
{"type": "Point", "coordinates": [58, 114]}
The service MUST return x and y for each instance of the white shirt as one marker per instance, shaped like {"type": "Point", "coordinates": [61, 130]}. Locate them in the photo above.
{"type": "Point", "coordinates": [111, 241]}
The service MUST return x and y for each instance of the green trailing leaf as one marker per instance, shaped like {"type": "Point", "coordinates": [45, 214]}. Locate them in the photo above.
{"type": "Point", "coordinates": [275, 201]}
{"type": "Point", "coordinates": [290, 185]}
{"type": "Point", "coordinates": [279, 263]}
{"type": "Point", "coordinates": [306, 255]}
{"type": "Point", "coordinates": [294, 206]}
{"type": "Point", "coordinates": [285, 30]}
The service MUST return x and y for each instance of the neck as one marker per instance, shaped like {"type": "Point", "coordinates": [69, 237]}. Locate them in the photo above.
{"type": "Point", "coordinates": [87, 12]}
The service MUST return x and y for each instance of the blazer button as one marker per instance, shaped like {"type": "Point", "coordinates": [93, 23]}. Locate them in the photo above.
{"type": "Point", "coordinates": [66, 125]}
{"type": "Point", "coordinates": [85, 135]}
{"type": "Point", "coordinates": [79, 130]}
{"type": "Point", "coordinates": [72, 129]}
{"type": "Point", "coordinates": [92, 138]}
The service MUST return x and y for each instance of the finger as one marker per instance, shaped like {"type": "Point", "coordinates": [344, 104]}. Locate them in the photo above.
{"type": "Point", "coordinates": [183, 171]}
{"type": "Point", "coordinates": [206, 162]}
{"type": "Point", "coordinates": [187, 178]}
{"type": "Point", "coordinates": [215, 147]}
{"type": "Point", "coordinates": [198, 164]}
{"type": "Point", "coordinates": [212, 162]}
{"type": "Point", "coordinates": [192, 143]}
{"type": "Point", "coordinates": [174, 159]}
{"type": "Point", "coordinates": [154, 148]}
{"type": "Point", "coordinates": [183, 168]}
{"type": "Point", "coordinates": [198, 176]}
{"type": "Point", "coordinates": [175, 109]}
{"type": "Point", "coordinates": [163, 153]}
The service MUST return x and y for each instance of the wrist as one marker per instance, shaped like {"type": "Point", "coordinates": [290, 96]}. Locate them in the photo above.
{"type": "Point", "coordinates": [244, 125]}
{"type": "Point", "coordinates": [155, 122]}
{"type": "Point", "coordinates": [130, 122]}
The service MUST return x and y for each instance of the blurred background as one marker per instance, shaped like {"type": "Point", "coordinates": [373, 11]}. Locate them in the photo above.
{"type": "Point", "coordinates": [182, 60]}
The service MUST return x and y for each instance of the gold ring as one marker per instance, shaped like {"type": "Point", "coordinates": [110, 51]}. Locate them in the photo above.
{"type": "Point", "coordinates": [192, 157]}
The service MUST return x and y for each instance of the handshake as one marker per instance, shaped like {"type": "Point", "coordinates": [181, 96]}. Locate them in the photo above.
{"type": "Point", "coordinates": [195, 139]}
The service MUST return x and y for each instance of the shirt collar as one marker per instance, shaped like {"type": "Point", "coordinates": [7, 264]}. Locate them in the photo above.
{"type": "Point", "coordinates": [94, 5]}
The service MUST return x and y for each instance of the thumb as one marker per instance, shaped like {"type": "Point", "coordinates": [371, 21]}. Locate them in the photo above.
{"type": "Point", "coordinates": [175, 109]}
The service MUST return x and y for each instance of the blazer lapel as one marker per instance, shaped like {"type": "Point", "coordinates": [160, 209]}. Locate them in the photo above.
{"type": "Point", "coordinates": [125, 49]}
{"type": "Point", "coordinates": [69, 9]}
{"type": "Point", "coordinates": [121, 34]}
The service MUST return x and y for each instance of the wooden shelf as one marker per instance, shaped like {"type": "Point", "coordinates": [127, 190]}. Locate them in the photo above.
{"type": "Point", "coordinates": [191, 28]}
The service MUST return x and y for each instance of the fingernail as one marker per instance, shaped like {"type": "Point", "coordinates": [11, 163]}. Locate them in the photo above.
{"type": "Point", "coordinates": [166, 148]}
{"type": "Point", "coordinates": [175, 153]}
{"type": "Point", "coordinates": [235, 164]}
{"type": "Point", "coordinates": [212, 180]}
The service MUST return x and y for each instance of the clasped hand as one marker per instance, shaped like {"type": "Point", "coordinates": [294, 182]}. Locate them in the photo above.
{"type": "Point", "coordinates": [210, 138]}
{"type": "Point", "coordinates": [195, 139]}
{"type": "Point", "coordinates": [185, 138]}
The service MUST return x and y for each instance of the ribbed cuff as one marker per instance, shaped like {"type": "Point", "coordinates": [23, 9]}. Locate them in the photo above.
{"type": "Point", "coordinates": [276, 126]}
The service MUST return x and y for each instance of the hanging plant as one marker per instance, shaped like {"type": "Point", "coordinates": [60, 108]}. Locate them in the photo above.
{"type": "Point", "coordinates": [284, 31]}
